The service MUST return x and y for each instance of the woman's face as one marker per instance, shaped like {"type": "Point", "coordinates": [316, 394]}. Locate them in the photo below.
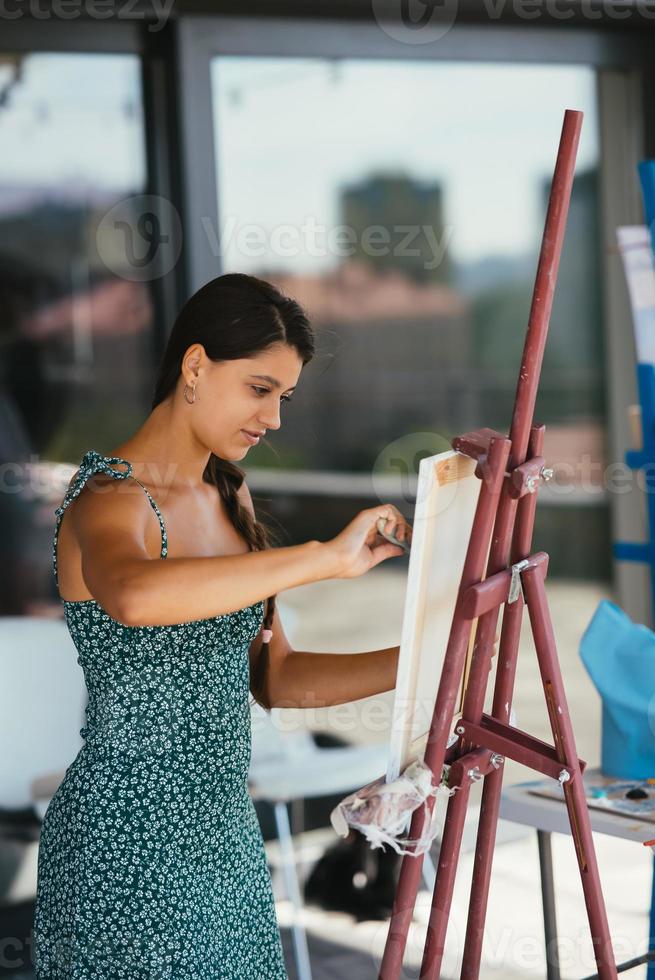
{"type": "Point", "coordinates": [238, 397]}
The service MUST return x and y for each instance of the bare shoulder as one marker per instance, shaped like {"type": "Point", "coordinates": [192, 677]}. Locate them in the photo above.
{"type": "Point", "coordinates": [105, 530]}
{"type": "Point", "coordinates": [109, 504]}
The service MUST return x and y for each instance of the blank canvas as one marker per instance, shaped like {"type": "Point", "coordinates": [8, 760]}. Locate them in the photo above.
{"type": "Point", "coordinates": [447, 496]}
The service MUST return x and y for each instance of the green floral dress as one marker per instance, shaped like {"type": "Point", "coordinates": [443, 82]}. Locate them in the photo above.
{"type": "Point", "coordinates": [151, 860]}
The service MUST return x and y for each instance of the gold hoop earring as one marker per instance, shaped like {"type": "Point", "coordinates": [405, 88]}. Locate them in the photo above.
{"type": "Point", "coordinates": [194, 394]}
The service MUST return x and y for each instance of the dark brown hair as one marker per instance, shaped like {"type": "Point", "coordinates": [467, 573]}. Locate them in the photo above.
{"type": "Point", "coordinates": [236, 316]}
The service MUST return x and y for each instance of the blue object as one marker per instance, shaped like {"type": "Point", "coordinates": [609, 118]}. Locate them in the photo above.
{"type": "Point", "coordinates": [620, 658]}
{"type": "Point", "coordinates": [644, 459]}
{"type": "Point", "coordinates": [645, 552]}
{"type": "Point", "coordinates": [647, 178]}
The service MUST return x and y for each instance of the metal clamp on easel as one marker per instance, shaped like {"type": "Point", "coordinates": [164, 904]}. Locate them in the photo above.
{"type": "Point", "coordinates": [527, 477]}
{"type": "Point", "coordinates": [515, 586]}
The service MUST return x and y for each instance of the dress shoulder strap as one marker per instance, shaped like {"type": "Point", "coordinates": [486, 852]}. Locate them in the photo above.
{"type": "Point", "coordinates": [93, 462]}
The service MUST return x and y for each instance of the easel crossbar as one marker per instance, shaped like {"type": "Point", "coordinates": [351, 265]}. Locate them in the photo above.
{"type": "Point", "coordinates": [517, 745]}
{"type": "Point", "coordinates": [493, 592]}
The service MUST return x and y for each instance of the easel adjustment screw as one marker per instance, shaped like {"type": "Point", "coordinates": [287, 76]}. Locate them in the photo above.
{"type": "Point", "coordinates": [460, 729]}
{"type": "Point", "coordinates": [496, 760]}
{"type": "Point", "coordinates": [564, 776]}
{"type": "Point", "coordinates": [546, 473]}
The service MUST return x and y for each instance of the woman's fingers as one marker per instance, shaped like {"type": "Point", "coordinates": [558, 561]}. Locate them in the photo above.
{"type": "Point", "coordinates": [381, 552]}
{"type": "Point", "coordinates": [392, 522]}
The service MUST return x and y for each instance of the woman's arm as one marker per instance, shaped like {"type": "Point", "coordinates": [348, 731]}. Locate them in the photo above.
{"type": "Point", "coordinates": [318, 680]}
{"type": "Point", "coordinates": [197, 588]}
{"type": "Point", "coordinates": [299, 679]}
{"type": "Point", "coordinates": [139, 591]}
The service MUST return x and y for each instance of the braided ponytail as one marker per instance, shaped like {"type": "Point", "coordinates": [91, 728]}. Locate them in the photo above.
{"type": "Point", "coordinates": [227, 477]}
{"type": "Point", "coordinates": [236, 316]}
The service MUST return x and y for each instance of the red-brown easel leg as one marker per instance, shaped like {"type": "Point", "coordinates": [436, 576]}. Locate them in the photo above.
{"type": "Point", "coordinates": [560, 720]}
{"type": "Point", "coordinates": [501, 709]}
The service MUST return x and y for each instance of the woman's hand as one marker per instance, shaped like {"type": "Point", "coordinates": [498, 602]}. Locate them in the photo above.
{"type": "Point", "coordinates": [360, 546]}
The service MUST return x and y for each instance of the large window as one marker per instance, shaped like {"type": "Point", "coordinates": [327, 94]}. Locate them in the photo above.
{"type": "Point", "coordinates": [403, 204]}
{"type": "Point", "coordinates": [71, 131]}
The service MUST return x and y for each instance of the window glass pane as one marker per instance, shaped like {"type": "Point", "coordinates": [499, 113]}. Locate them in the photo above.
{"type": "Point", "coordinates": [71, 131]}
{"type": "Point", "coordinates": [403, 204]}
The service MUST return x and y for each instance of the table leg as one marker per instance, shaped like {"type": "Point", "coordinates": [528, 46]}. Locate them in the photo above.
{"type": "Point", "coordinates": [548, 901]}
{"type": "Point", "coordinates": [650, 973]}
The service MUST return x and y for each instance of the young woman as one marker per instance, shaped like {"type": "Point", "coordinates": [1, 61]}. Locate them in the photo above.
{"type": "Point", "coordinates": [151, 861]}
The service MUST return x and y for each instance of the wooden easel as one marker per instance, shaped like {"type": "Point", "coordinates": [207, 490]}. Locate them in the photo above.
{"type": "Point", "coordinates": [510, 469]}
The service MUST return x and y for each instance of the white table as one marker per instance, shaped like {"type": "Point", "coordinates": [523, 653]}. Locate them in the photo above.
{"type": "Point", "coordinates": [519, 805]}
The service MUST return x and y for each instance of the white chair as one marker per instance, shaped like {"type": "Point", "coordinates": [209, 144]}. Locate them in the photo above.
{"type": "Point", "coordinates": [43, 706]}
{"type": "Point", "coordinates": [43, 701]}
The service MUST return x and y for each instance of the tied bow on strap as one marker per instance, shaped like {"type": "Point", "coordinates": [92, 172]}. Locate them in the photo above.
{"type": "Point", "coordinates": [93, 462]}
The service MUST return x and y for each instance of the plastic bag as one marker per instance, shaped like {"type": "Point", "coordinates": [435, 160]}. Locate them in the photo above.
{"type": "Point", "coordinates": [382, 811]}
{"type": "Point", "coordinates": [620, 658]}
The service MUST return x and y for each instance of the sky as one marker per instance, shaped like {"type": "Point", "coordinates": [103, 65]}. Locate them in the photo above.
{"type": "Point", "coordinates": [289, 134]}
{"type": "Point", "coordinates": [74, 117]}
